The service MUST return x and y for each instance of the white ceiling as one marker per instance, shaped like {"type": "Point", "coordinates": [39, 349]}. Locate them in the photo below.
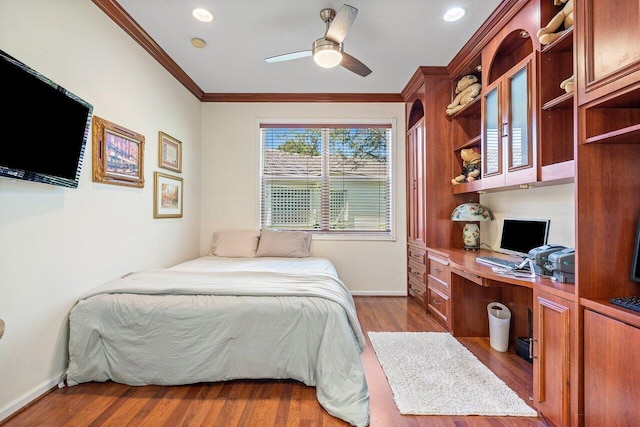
{"type": "Point", "coordinates": [393, 38]}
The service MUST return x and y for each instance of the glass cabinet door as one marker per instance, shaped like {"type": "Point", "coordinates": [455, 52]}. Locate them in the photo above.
{"type": "Point", "coordinates": [492, 139]}
{"type": "Point", "coordinates": [518, 132]}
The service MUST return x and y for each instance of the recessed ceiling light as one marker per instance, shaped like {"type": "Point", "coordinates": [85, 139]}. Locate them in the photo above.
{"type": "Point", "coordinates": [199, 43]}
{"type": "Point", "coordinates": [202, 15]}
{"type": "Point", "coordinates": [454, 14]}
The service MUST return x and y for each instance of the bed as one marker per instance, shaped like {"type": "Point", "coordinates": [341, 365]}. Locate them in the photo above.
{"type": "Point", "coordinates": [220, 318]}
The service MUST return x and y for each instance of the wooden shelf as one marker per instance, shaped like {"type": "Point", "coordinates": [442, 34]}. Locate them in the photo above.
{"type": "Point", "coordinates": [561, 102]}
{"type": "Point", "coordinates": [467, 187]}
{"type": "Point", "coordinates": [475, 141]}
{"type": "Point", "coordinates": [558, 171]}
{"type": "Point", "coordinates": [561, 44]}
{"type": "Point", "coordinates": [626, 135]}
{"type": "Point", "coordinates": [472, 108]}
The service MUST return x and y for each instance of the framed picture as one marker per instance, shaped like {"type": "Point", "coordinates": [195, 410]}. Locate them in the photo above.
{"type": "Point", "coordinates": [118, 154]}
{"type": "Point", "coordinates": [167, 196]}
{"type": "Point", "coordinates": [169, 153]}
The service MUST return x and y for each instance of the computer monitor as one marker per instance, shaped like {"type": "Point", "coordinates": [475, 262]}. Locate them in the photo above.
{"type": "Point", "coordinates": [519, 236]}
{"type": "Point", "coordinates": [635, 262]}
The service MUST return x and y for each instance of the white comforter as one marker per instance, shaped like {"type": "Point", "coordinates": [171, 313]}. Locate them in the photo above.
{"type": "Point", "coordinates": [215, 319]}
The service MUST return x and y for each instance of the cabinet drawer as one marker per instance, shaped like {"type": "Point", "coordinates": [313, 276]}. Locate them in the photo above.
{"type": "Point", "coordinates": [441, 286]}
{"type": "Point", "coordinates": [417, 289]}
{"type": "Point", "coordinates": [438, 304]}
{"type": "Point", "coordinates": [415, 282]}
{"type": "Point", "coordinates": [418, 276]}
{"type": "Point", "coordinates": [417, 254]}
{"type": "Point", "coordinates": [417, 266]}
{"type": "Point", "coordinates": [439, 270]}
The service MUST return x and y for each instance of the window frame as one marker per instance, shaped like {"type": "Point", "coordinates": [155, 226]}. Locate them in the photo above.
{"type": "Point", "coordinates": [336, 235]}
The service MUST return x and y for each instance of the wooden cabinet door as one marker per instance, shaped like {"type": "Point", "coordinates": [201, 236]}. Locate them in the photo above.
{"type": "Point", "coordinates": [611, 372]}
{"type": "Point", "coordinates": [416, 184]}
{"type": "Point", "coordinates": [608, 52]}
{"type": "Point", "coordinates": [508, 143]}
{"type": "Point", "coordinates": [520, 147]}
{"type": "Point", "coordinates": [552, 355]}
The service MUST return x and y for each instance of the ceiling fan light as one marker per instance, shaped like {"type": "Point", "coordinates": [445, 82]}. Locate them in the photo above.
{"type": "Point", "coordinates": [327, 58]}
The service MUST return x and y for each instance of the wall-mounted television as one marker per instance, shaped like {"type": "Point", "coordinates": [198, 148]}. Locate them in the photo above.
{"type": "Point", "coordinates": [44, 127]}
{"type": "Point", "coordinates": [635, 262]}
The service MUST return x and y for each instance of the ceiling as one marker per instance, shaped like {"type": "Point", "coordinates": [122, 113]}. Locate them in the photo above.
{"type": "Point", "coordinates": [391, 38]}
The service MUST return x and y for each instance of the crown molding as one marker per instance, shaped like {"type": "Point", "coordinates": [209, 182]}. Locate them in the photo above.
{"type": "Point", "coordinates": [302, 97]}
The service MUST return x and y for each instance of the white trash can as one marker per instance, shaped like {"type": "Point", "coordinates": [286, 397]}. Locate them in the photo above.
{"type": "Point", "coordinates": [499, 319]}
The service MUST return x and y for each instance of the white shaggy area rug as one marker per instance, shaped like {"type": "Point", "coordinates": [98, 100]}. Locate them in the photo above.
{"type": "Point", "coordinates": [431, 373]}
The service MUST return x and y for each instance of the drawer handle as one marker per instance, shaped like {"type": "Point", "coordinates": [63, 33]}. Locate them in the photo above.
{"type": "Point", "coordinates": [437, 270]}
{"type": "Point", "coordinates": [531, 356]}
{"type": "Point", "coordinates": [435, 302]}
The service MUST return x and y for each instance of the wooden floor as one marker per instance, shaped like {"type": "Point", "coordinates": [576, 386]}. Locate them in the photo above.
{"type": "Point", "coordinates": [271, 403]}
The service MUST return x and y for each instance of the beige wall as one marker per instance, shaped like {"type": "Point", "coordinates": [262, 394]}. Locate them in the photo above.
{"type": "Point", "coordinates": [56, 243]}
{"type": "Point", "coordinates": [230, 156]}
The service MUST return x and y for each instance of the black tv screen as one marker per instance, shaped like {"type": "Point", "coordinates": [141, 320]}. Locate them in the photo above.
{"type": "Point", "coordinates": [44, 127]}
{"type": "Point", "coordinates": [635, 262]}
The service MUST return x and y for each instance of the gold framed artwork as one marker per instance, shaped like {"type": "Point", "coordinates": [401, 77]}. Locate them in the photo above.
{"type": "Point", "coordinates": [118, 154]}
{"type": "Point", "coordinates": [169, 152]}
{"type": "Point", "coordinates": [167, 196]}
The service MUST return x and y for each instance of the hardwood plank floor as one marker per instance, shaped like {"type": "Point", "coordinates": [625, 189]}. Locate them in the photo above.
{"type": "Point", "coordinates": [272, 403]}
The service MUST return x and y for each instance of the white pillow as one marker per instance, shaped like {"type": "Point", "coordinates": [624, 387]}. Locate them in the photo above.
{"type": "Point", "coordinates": [292, 244]}
{"type": "Point", "coordinates": [238, 244]}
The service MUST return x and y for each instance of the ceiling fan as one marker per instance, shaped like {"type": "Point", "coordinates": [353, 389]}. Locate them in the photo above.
{"type": "Point", "coordinates": [327, 51]}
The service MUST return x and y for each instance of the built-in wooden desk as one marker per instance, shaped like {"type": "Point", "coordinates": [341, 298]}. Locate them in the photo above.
{"type": "Point", "coordinates": [474, 285]}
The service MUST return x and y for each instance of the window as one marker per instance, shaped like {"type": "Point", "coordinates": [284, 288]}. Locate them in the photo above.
{"type": "Point", "coordinates": [326, 178]}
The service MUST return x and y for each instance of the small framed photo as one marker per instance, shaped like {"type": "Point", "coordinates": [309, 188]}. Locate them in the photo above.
{"type": "Point", "coordinates": [167, 196]}
{"type": "Point", "coordinates": [118, 154]}
{"type": "Point", "coordinates": [169, 153]}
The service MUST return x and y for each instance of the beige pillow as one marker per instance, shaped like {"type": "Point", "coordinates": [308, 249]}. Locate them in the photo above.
{"type": "Point", "coordinates": [293, 244]}
{"type": "Point", "coordinates": [238, 244]}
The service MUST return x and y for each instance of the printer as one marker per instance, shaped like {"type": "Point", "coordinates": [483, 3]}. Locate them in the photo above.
{"type": "Point", "coordinates": [564, 265]}
{"type": "Point", "coordinates": [540, 258]}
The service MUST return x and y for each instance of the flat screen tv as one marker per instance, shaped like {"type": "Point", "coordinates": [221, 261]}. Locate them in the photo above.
{"type": "Point", "coordinates": [519, 236]}
{"type": "Point", "coordinates": [635, 262]}
{"type": "Point", "coordinates": [44, 127]}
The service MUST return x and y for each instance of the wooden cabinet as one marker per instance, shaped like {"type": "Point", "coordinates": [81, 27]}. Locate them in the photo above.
{"type": "Point", "coordinates": [608, 70]}
{"type": "Point", "coordinates": [416, 183]}
{"type": "Point", "coordinates": [439, 288]}
{"type": "Point", "coordinates": [509, 152]}
{"type": "Point", "coordinates": [429, 171]}
{"type": "Point", "coordinates": [608, 48]}
{"type": "Point", "coordinates": [552, 350]}
{"type": "Point", "coordinates": [612, 374]}
{"type": "Point", "coordinates": [416, 206]}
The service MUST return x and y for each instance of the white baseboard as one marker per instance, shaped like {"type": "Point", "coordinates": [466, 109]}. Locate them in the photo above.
{"type": "Point", "coordinates": [21, 401]}
{"type": "Point", "coordinates": [379, 293]}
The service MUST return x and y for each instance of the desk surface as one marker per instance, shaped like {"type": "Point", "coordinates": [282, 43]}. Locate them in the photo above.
{"type": "Point", "coordinates": [466, 261]}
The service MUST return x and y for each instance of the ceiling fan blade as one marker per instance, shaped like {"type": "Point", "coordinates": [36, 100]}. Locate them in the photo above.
{"type": "Point", "coordinates": [340, 25]}
{"type": "Point", "coordinates": [289, 56]}
{"type": "Point", "coordinates": [352, 64]}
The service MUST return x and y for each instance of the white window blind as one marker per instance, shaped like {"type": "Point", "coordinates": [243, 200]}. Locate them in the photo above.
{"type": "Point", "coordinates": [326, 178]}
